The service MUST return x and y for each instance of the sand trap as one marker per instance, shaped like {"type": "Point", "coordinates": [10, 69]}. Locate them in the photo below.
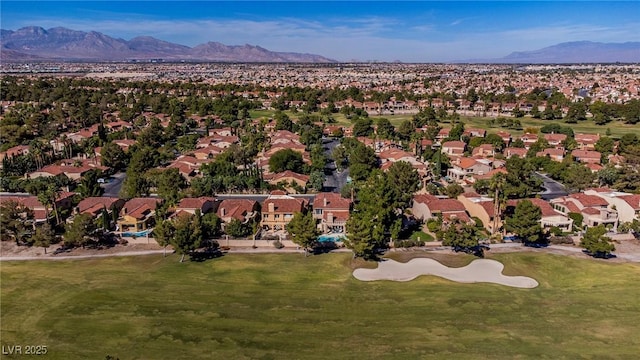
{"type": "Point", "coordinates": [481, 270]}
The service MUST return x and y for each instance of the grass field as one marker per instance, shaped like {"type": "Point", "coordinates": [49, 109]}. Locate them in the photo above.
{"type": "Point", "coordinates": [291, 307]}
{"type": "Point", "coordinates": [617, 128]}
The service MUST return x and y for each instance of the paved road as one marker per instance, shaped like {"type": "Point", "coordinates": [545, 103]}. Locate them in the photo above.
{"type": "Point", "coordinates": [338, 179]}
{"type": "Point", "coordinates": [112, 188]}
{"type": "Point", "coordinates": [553, 188]}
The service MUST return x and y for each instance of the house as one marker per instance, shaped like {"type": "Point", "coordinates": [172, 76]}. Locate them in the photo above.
{"type": "Point", "coordinates": [483, 208]}
{"type": "Point", "coordinates": [528, 139]}
{"type": "Point", "coordinates": [74, 169]}
{"type": "Point", "coordinates": [390, 156]}
{"type": "Point", "coordinates": [289, 178]}
{"type": "Point", "coordinates": [204, 204]}
{"type": "Point", "coordinates": [484, 150]}
{"type": "Point", "coordinates": [587, 141]}
{"type": "Point", "coordinates": [138, 214]}
{"type": "Point", "coordinates": [426, 206]}
{"type": "Point", "coordinates": [505, 136]}
{"type": "Point", "coordinates": [595, 210]}
{"type": "Point", "coordinates": [586, 156]}
{"type": "Point", "coordinates": [465, 166]}
{"type": "Point", "coordinates": [208, 152]}
{"type": "Point", "coordinates": [225, 131]}
{"type": "Point", "coordinates": [124, 144]}
{"type": "Point", "coordinates": [627, 205]}
{"type": "Point", "coordinates": [443, 134]}
{"type": "Point", "coordinates": [550, 217]}
{"type": "Point", "coordinates": [511, 151]}
{"type": "Point", "coordinates": [332, 210]}
{"type": "Point", "coordinates": [555, 154]}
{"type": "Point", "coordinates": [95, 206]}
{"type": "Point", "coordinates": [14, 151]}
{"type": "Point", "coordinates": [453, 148]}
{"type": "Point", "coordinates": [278, 210]}
{"type": "Point", "coordinates": [555, 139]}
{"type": "Point", "coordinates": [40, 211]}
{"type": "Point", "coordinates": [474, 132]}
{"type": "Point", "coordinates": [243, 210]}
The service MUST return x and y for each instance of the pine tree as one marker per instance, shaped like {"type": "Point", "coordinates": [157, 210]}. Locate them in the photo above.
{"type": "Point", "coordinates": [303, 230]}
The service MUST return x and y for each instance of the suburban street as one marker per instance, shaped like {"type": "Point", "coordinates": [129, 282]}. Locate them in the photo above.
{"type": "Point", "coordinates": [112, 188]}
{"type": "Point", "coordinates": [553, 188]}
{"type": "Point", "coordinates": [337, 179]}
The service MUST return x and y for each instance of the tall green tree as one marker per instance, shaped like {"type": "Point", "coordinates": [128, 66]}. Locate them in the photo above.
{"type": "Point", "coordinates": [303, 230]}
{"type": "Point", "coordinates": [286, 159]}
{"type": "Point", "coordinates": [15, 222]}
{"type": "Point", "coordinates": [525, 222]}
{"type": "Point", "coordinates": [404, 181]}
{"type": "Point", "coordinates": [187, 235]}
{"type": "Point", "coordinates": [163, 233]}
{"type": "Point", "coordinates": [79, 232]}
{"type": "Point", "coordinates": [44, 236]}
{"type": "Point", "coordinates": [462, 237]}
{"type": "Point", "coordinates": [114, 157]}
{"type": "Point", "coordinates": [496, 185]}
{"type": "Point", "coordinates": [596, 243]}
{"type": "Point", "coordinates": [89, 185]}
{"type": "Point", "coordinates": [360, 238]}
{"type": "Point", "coordinates": [385, 130]}
{"type": "Point", "coordinates": [237, 228]}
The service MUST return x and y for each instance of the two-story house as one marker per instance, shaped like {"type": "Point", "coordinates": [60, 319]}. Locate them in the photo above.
{"type": "Point", "coordinates": [465, 167]}
{"type": "Point", "coordinates": [594, 209]}
{"type": "Point", "coordinates": [332, 210]}
{"type": "Point", "coordinates": [278, 210]}
{"type": "Point", "coordinates": [138, 214]}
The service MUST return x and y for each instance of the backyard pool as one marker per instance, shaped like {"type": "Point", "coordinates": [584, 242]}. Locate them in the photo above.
{"type": "Point", "coordinates": [330, 237]}
{"type": "Point", "coordinates": [137, 234]}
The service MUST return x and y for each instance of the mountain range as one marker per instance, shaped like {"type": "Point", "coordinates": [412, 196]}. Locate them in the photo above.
{"type": "Point", "coordinates": [572, 52]}
{"type": "Point", "coordinates": [35, 43]}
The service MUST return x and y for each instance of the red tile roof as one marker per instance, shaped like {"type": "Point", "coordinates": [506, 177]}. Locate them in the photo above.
{"type": "Point", "coordinates": [632, 200]}
{"type": "Point", "coordinates": [235, 208]}
{"type": "Point", "coordinates": [589, 200]}
{"type": "Point", "coordinates": [93, 204]}
{"type": "Point", "coordinates": [333, 201]}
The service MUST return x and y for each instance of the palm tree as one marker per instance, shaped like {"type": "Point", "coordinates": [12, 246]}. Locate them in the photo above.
{"type": "Point", "coordinates": [35, 148]}
{"type": "Point", "coordinates": [496, 185]}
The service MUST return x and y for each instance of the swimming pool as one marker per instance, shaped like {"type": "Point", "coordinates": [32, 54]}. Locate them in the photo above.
{"type": "Point", "coordinates": [137, 234]}
{"type": "Point", "coordinates": [330, 237]}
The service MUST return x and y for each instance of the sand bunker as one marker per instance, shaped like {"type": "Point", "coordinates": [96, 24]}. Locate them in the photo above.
{"type": "Point", "coordinates": [481, 270]}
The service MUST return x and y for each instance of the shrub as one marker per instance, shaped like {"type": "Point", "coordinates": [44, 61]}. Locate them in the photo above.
{"type": "Point", "coordinates": [556, 231]}
{"type": "Point", "coordinates": [408, 243]}
{"type": "Point", "coordinates": [433, 225]}
{"type": "Point", "coordinates": [577, 219]}
{"type": "Point", "coordinates": [277, 244]}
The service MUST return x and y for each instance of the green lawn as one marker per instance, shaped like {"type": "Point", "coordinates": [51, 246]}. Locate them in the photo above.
{"type": "Point", "coordinates": [617, 128]}
{"type": "Point", "coordinates": [272, 306]}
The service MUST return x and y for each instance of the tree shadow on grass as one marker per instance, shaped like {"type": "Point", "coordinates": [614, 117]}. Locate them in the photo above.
{"type": "Point", "coordinates": [206, 254]}
{"type": "Point", "coordinates": [324, 247]}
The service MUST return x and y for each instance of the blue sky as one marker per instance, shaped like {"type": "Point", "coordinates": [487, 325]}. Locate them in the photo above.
{"type": "Point", "coordinates": [413, 31]}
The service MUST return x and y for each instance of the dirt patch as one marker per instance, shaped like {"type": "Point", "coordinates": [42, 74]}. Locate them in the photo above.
{"type": "Point", "coordinates": [10, 249]}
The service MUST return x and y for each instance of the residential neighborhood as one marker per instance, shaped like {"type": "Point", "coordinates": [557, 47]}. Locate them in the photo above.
{"type": "Point", "coordinates": [251, 159]}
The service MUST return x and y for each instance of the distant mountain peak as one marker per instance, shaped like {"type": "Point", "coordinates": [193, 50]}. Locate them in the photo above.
{"type": "Point", "coordinates": [60, 43]}
{"type": "Point", "coordinates": [572, 52]}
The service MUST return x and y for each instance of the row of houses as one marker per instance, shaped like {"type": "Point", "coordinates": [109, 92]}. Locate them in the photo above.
{"type": "Point", "coordinates": [599, 206]}
{"type": "Point", "coordinates": [138, 215]}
